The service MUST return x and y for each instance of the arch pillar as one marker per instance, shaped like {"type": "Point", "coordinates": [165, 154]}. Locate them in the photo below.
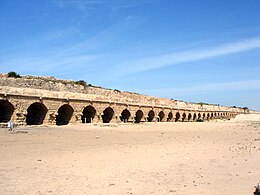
{"type": "Point", "coordinates": [50, 117]}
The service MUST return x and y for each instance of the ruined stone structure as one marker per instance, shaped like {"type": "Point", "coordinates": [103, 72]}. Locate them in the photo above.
{"type": "Point", "coordinates": [46, 100]}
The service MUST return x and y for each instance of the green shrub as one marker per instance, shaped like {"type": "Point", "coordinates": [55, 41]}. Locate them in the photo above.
{"type": "Point", "coordinates": [13, 74]}
{"type": "Point", "coordinates": [116, 90]}
{"type": "Point", "coordinates": [81, 82]}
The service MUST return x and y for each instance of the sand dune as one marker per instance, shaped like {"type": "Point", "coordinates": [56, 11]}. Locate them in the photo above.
{"type": "Point", "coordinates": [154, 158]}
{"type": "Point", "coordinates": [246, 117]}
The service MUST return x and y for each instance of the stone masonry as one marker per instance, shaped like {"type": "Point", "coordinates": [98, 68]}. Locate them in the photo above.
{"type": "Point", "coordinates": [45, 100]}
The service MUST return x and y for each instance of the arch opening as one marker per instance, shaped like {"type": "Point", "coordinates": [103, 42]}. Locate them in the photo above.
{"type": "Point", "coordinates": [125, 115]}
{"type": "Point", "coordinates": [88, 114]}
{"type": "Point", "coordinates": [161, 116]}
{"type": "Point", "coordinates": [170, 116]}
{"type": "Point", "coordinates": [194, 116]}
{"type": "Point", "coordinates": [64, 115]}
{"type": "Point", "coordinates": [183, 117]}
{"type": "Point", "coordinates": [151, 115]}
{"type": "Point", "coordinates": [189, 117]}
{"type": "Point", "coordinates": [177, 116]}
{"type": "Point", "coordinates": [108, 114]}
{"type": "Point", "coordinates": [6, 111]}
{"type": "Point", "coordinates": [36, 113]}
{"type": "Point", "coordinates": [138, 116]}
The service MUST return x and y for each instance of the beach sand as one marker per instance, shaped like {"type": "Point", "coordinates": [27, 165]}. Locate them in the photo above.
{"type": "Point", "coordinates": [153, 158]}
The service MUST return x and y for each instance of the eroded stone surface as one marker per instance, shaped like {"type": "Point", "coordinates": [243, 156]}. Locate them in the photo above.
{"type": "Point", "coordinates": [46, 100]}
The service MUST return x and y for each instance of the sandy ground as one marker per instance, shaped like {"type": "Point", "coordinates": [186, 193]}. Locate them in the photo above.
{"type": "Point", "coordinates": [155, 158]}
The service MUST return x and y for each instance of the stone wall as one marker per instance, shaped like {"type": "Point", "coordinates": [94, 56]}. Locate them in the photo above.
{"type": "Point", "coordinates": [51, 87]}
{"type": "Point", "coordinates": [46, 100]}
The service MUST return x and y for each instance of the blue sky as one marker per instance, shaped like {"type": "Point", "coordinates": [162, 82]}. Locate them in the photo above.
{"type": "Point", "coordinates": [198, 51]}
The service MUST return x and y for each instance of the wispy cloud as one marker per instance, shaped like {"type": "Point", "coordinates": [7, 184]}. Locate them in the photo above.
{"type": "Point", "coordinates": [90, 4]}
{"type": "Point", "coordinates": [65, 56]}
{"type": "Point", "coordinates": [224, 86]}
{"type": "Point", "coordinates": [79, 4]}
{"type": "Point", "coordinates": [152, 62]}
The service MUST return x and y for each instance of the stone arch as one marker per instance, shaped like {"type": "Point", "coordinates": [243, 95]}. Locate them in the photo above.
{"type": "Point", "coordinates": [65, 113]}
{"type": "Point", "coordinates": [88, 114]}
{"type": "Point", "coordinates": [189, 116]}
{"type": "Point", "coordinates": [212, 115]}
{"type": "Point", "coordinates": [36, 113]}
{"type": "Point", "coordinates": [108, 114]}
{"type": "Point", "coordinates": [170, 116]}
{"type": "Point", "coordinates": [204, 115]}
{"type": "Point", "coordinates": [199, 116]}
{"type": "Point", "coordinates": [208, 115]}
{"type": "Point", "coordinates": [138, 116]}
{"type": "Point", "coordinates": [151, 115]}
{"type": "Point", "coordinates": [161, 116]}
{"type": "Point", "coordinates": [125, 115]}
{"type": "Point", "coordinates": [6, 111]}
{"type": "Point", "coordinates": [194, 116]}
{"type": "Point", "coordinates": [177, 116]}
{"type": "Point", "coordinates": [183, 117]}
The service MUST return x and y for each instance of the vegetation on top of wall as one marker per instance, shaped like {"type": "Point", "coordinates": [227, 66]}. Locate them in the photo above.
{"type": "Point", "coordinates": [13, 74]}
{"type": "Point", "coordinates": [116, 90]}
{"type": "Point", "coordinates": [203, 103]}
{"type": "Point", "coordinates": [81, 82]}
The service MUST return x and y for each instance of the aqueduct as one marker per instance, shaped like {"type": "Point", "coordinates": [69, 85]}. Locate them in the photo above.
{"type": "Point", "coordinates": [45, 100]}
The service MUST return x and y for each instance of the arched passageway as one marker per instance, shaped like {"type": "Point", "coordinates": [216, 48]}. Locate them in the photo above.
{"type": "Point", "coordinates": [6, 111]}
{"type": "Point", "coordinates": [161, 116]}
{"type": "Point", "coordinates": [204, 115]}
{"type": "Point", "coordinates": [151, 115]}
{"type": "Point", "coordinates": [170, 116]}
{"type": "Point", "coordinates": [138, 116]}
{"type": "Point", "coordinates": [108, 114]}
{"type": "Point", "coordinates": [208, 115]}
{"type": "Point", "coordinates": [125, 115]}
{"type": "Point", "coordinates": [189, 117]}
{"type": "Point", "coordinates": [88, 114]}
{"type": "Point", "coordinates": [212, 115]}
{"type": "Point", "coordinates": [64, 115]}
{"type": "Point", "coordinates": [36, 113]}
{"type": "Point", "coordinates": [194, 116]}
{"type": "Point", "coordinates": [199, 116]}
{"type": "Point", "coordinates": [177, 116]}
{"type": "Point", "coordinates": [183, 117]}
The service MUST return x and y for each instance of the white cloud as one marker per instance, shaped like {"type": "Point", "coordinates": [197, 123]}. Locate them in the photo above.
{"type": "Point", "coordinates": [79, 4]}
{"type": "Point", "coordinates": [152, 62]}
{"type": "Point", "coordinates": [224, 86]}
{"type": "Point", "coordinates": [90, 4]}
